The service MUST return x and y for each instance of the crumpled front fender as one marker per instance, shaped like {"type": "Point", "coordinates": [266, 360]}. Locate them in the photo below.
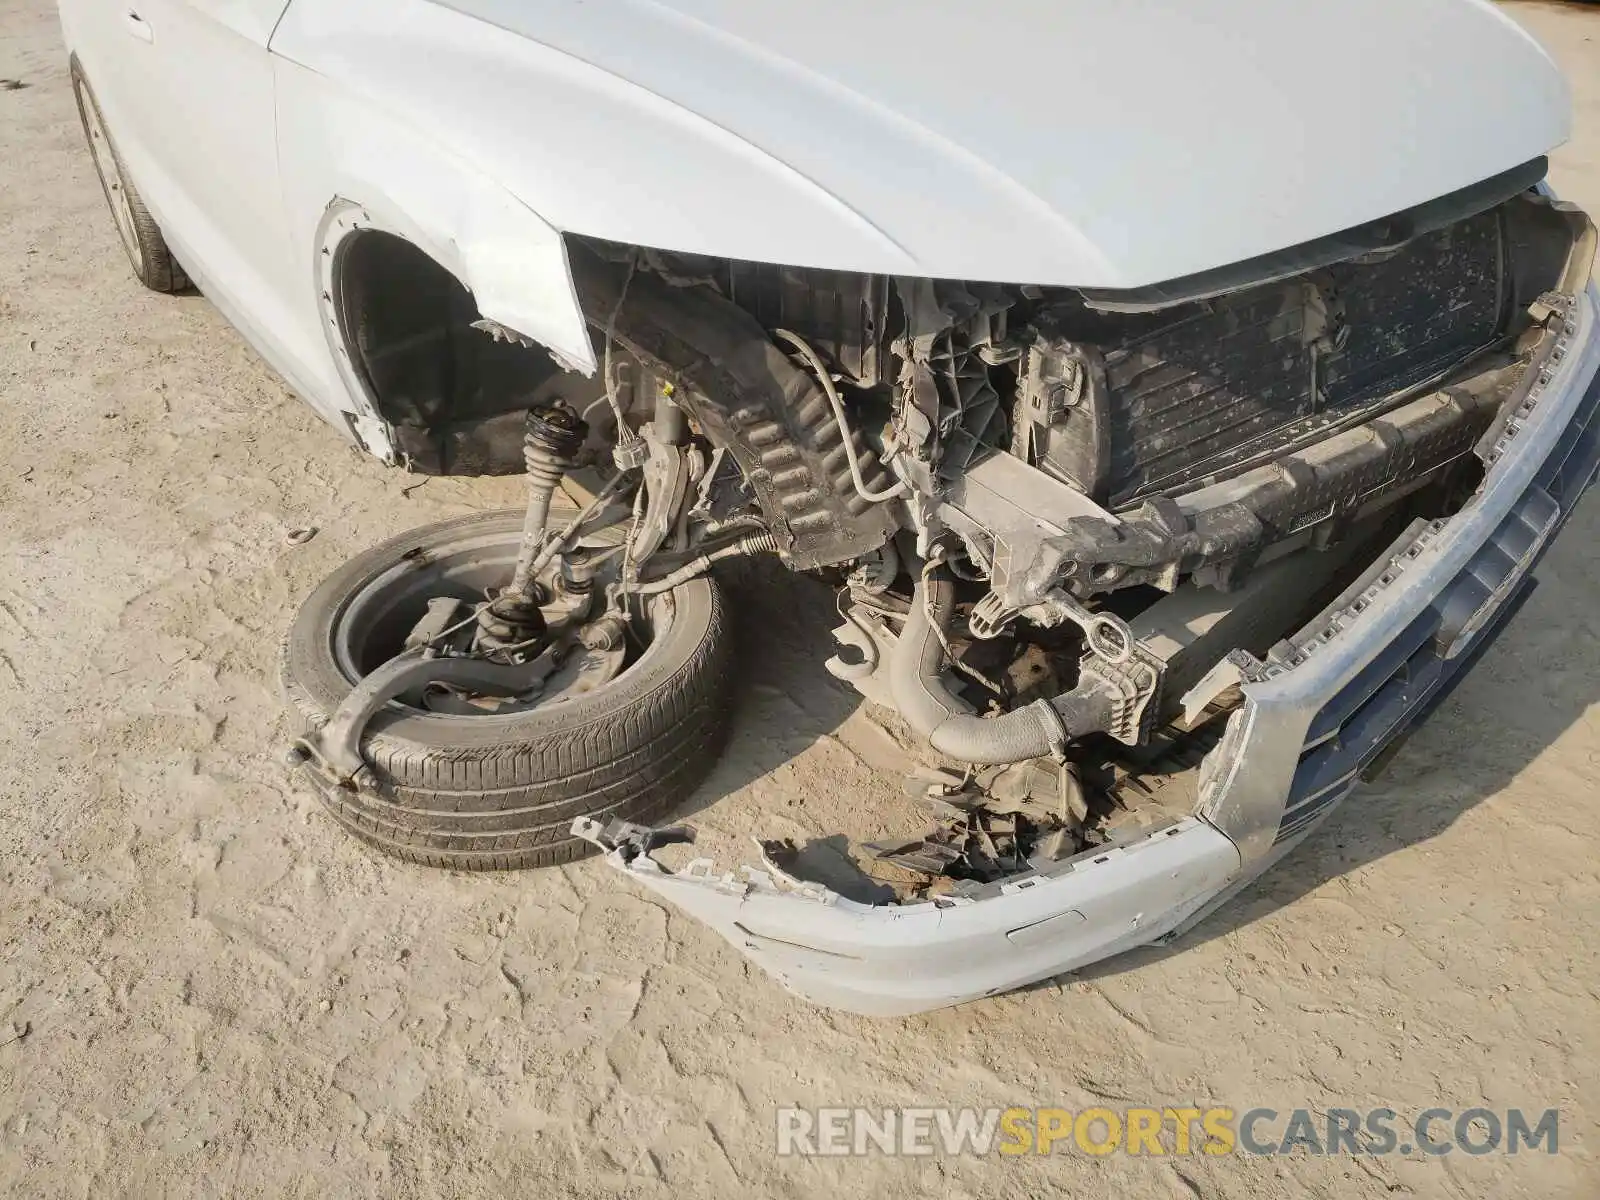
{"type": "Point", "coordinates": [335, 147]}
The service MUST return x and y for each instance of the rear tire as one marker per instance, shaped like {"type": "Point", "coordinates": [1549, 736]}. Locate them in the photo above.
{"type": "Point", "coordinates": [152, 260]}
{"type": "Point", "coordinates": [481, 793]}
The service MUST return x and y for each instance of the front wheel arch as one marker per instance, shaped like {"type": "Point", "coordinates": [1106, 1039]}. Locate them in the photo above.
{"type": "Point", "coordinates": [403, 329]}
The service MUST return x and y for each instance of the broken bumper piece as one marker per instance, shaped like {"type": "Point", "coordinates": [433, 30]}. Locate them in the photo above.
{"type": "Point", "coordinates": [888, 960]}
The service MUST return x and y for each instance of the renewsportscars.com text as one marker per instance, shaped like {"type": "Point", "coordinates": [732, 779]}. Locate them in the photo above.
{"type": "Point", "coordinates": [1174, 1130]}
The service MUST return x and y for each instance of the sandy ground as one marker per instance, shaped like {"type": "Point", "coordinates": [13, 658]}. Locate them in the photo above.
{"type": "Point", "coordinates": [207, 989]}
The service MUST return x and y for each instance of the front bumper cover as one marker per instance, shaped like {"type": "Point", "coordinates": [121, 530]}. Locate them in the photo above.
{"type": "Point", "coordinates": [1314, 717]}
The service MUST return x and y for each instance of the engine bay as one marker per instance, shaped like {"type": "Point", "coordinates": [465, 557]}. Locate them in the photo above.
{"type": "Point", "coordinates": [1065, 530]}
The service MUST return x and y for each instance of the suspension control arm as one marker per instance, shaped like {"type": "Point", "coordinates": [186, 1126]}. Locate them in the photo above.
{"type": "Point", "coordinates": [334, 750]}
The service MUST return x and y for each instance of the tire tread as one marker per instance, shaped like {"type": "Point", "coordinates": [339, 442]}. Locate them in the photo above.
{"type": "Point", "coordinates": [510, 805]}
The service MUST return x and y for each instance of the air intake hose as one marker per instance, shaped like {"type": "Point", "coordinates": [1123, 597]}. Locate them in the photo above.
{"type": "Point", "coordinates": [916, 680]}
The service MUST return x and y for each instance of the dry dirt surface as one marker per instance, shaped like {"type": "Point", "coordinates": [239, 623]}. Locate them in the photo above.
{"type": "Point", "coordinates": [208, 989]}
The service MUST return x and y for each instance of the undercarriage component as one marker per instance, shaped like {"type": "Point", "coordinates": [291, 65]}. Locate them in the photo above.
{"type": "Point", "coordinates": [549, 444]}
{"type": "Point", "coordinates": [916, 669]}
{"type": "Point", "coordinates": [743, 394]}
{"type": "Point", "coordinates": [756, 543]}
{"type": "Point", "coordinates": [334, 748]}
{"type": "Point", "coordinates": [990, 823]}
{"type": "Point", "coordinates": [669, 472]}
{"type": "Point", "coordinates": [973, 844]}
{"type": "Point", "coordinates": [551, 439]}
{"type": "Point", "coordinates": [420, 745]}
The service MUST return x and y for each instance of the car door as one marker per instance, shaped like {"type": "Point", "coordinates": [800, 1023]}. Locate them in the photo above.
{"type": "Point", "coordinates": [209, 111]}
{"type": "Point", "coordinates": [107, 38]}
{"type": "Point", "coordinates": [195, 108]}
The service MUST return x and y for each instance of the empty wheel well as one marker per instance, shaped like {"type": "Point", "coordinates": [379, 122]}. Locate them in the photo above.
{"type": "Point", "coordinates": [453, 395]}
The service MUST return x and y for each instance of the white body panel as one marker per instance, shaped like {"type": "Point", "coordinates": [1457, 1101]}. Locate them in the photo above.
{"type": "Point", "coordinates": [1028, 141]}
{"type": "Point", "coordinates": [212, 99]}
{"type": "Point", "coordinates": [1046, 141]}
{"type": "Point", "coordinates": [887, 960]}
{"type": "Point", "coordinates": [187, 90]}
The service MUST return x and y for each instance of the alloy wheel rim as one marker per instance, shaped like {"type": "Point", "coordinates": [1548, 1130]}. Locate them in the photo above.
{"type": "Point", "coordinates": [363, 633]}
{"type": "Point", "coordinates": [110, 172]}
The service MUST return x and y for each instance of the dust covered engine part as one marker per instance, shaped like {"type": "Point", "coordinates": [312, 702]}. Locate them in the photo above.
{"type": "Point", "coordinates": [1219, 532]}
{"type": "Point", "coordinates": [843, 314]}
{"type": "Point", "coordinates": [934, 712]}
{"type": "Point", "coordinates": [745, 395]}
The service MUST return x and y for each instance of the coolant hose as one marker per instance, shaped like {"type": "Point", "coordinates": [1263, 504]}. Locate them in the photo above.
{"type": "Point", "coordinates": [916, 681]}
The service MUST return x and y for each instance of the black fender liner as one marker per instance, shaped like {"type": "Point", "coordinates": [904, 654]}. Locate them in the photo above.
{"type": "Point", "coordinates": [745, 395]}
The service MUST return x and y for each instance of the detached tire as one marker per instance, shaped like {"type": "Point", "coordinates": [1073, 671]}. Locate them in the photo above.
{"type": "Point", "coordinates": [141, 237]}
{"type": "Point", "coordinates": [500, 791]}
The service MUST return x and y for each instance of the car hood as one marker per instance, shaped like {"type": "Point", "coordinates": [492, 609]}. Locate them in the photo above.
{"type": "Point", "coordinates": [1078, 142]}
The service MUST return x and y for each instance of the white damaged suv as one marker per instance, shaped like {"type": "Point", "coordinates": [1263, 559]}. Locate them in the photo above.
{"type": "Point", "coordinates": [1177, 399]}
